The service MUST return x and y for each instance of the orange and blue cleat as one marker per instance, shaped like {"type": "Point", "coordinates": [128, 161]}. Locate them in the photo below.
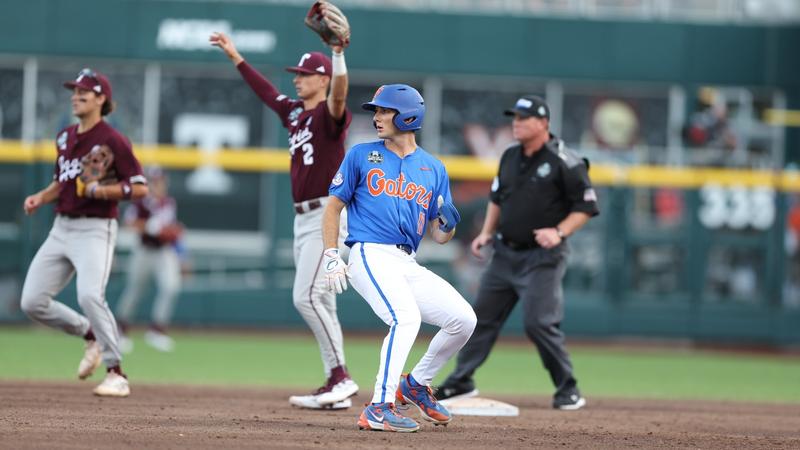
{"type": "Point", "coordinates": [385, 417]}
{"type": "Point", "coordinates": [422, 397]}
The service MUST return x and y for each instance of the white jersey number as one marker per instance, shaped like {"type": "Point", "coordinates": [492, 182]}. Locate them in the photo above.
{"type": "Point", "coordinates": [308, 154]}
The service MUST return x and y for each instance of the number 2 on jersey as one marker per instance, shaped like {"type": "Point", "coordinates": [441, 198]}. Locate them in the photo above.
{"type": "Point", "coordinates": [308, 154]}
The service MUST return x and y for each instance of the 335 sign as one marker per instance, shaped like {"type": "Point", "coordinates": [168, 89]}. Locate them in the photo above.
{"type": "Point", "coordinates": [737, 207]}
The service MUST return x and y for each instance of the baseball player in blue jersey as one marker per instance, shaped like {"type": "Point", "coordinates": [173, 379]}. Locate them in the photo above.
{"type": "Point", "coordinates": [393, 191]}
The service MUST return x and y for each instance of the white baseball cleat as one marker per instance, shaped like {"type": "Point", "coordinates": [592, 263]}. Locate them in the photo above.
{"type": "Point", "coordinates": [114, 385]}
{"type": "Point", "coordinates": [310, 402]}
{"type": "Point", "coordinates": [159, 341]}
{"type": "Point", "coordinates": [91, 360]}
{"type": "Point", "coordinates": [125, 344]}
{"type": "Point", "coordinates": [340, 391]}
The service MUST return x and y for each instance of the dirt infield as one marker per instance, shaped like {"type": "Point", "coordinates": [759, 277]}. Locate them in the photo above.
{"type": "Point", "coordinates": [66, 415]}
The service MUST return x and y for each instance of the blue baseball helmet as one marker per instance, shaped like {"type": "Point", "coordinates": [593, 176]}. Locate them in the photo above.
{"type": "Point", "coordinates": [404, 99]}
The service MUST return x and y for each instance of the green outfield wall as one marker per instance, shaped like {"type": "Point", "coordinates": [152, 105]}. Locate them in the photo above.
{"type": "Point", "coordinates": [657, 262]}
{"type": "Point", "coordinates": [173, 31]}
{"type": "Point", "coordinates": [699, 253]}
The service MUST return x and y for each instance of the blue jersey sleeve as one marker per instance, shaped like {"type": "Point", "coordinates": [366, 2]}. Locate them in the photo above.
{"type": "Point", "coordinates": [344, 183]}
{"type": "Point", "coordinates": [443, 190]}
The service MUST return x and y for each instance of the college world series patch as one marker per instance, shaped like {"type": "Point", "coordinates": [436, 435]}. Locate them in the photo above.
{"type": "Point", "coordinates": [543, 170]}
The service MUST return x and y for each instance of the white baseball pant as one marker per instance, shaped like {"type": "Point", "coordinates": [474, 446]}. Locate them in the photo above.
{"type": "Point", "coordinates": [147, 262]}
{"type": "Point", "coordinates": [403, 294]}
{"type": "Point", "coordinates": [310, 294]}
{"type": "Point", "coordinates": [84, 246]}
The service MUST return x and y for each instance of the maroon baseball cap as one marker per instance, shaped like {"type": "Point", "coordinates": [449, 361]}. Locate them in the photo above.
{"type": "Point", "coordinates": [312, 63]}
{"type": "Point", "coordinates": [91, 81]}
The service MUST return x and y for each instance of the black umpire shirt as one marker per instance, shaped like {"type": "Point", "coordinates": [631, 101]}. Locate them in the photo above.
{"type": "Point", "coordinates": [540, 191]}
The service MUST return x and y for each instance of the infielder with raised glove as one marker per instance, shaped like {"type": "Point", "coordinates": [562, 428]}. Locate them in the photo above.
{"type": "Point", "coordinates": [328, 21]}
{"type": "Point", "coordinates": [317, 123]}
{"type": "Point", "coordinates": [154, 256]}
{"type": "Point", "coordinates": [95, 169]}
{"type": "Point", "coordinates": [393, 191]}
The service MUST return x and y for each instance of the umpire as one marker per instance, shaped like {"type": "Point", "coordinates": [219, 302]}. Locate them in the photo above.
{"type": "Point", "coordinates": [541, 196]}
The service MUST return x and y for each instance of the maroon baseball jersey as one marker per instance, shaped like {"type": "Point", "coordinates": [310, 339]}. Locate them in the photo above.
{"type": "Point", "coordinates": [157, 213]}
{"type": "Point", "coordinates": [316, 139]}
{"type": "Point", "coordinates": [71, 147]}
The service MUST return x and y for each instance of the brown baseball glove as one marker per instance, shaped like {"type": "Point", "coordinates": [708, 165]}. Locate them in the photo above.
{"type": "Point", "coordinates": [95, 167]}
{"type": "Point", "coordinates": [329, 23]}
{"type": "Point", "coordinates": [170, 233]}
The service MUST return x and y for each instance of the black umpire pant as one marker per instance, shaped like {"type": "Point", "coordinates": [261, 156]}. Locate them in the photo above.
{"type": "Point", "coordinates": [535, 277]}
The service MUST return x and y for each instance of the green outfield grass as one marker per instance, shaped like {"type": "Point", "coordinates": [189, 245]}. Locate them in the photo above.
{"type": "Point", "coordinates": [292, 361]}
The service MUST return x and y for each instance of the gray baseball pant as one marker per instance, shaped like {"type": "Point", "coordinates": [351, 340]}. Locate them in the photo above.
{"type": "Point", "coordinates": [82, 246]}
{"type": "Point", "coordinates": [533, 276]}
{"type": "Point", "coordinates": [146, 262]}
{"type": "Point", "coordinates": [310, 294]}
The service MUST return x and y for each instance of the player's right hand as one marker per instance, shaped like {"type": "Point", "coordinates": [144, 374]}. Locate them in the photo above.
{"type": "Point", "coordinates": [221, 40]}
{"type": "Point", "coordinates": [335, 270]}
{"type": "Point", "coordinates": [32, 203]}
{"type": "Point", "coordinates": [479, 242]}
{"type": "Point", "coordinates": [448, 215]}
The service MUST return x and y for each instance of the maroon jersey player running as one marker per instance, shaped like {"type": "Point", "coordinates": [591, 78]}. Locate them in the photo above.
{"type": "Point", "coordinates": [317, 124]}
{"type": "Point", "coordinates": [84, 233]}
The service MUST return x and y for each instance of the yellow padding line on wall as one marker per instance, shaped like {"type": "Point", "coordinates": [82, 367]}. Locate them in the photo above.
{"type": "Point", "coordinates": [459, 167]}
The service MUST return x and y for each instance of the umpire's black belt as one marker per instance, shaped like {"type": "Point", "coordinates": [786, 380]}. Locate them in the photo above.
{"type": "Point", "coordinates": [517, 245]}
{"type": "Point", "coordinates": [307, 206]}
{"type": "Point", "coordinates": [405, 247]}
